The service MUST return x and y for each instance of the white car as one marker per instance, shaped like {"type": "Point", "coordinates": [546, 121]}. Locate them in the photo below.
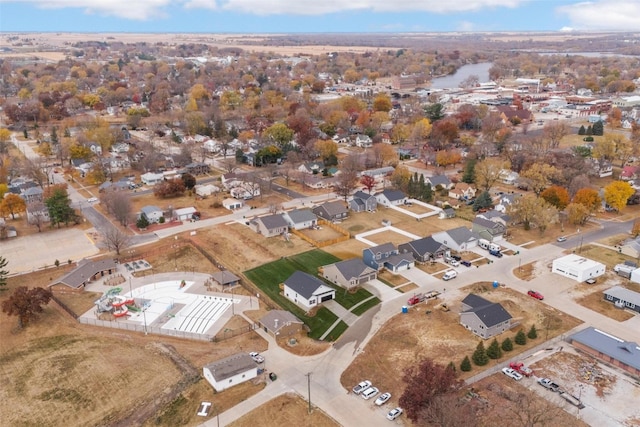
{"type": "Point", "coordinates": [383, 398]}
{"type": "Point", "coordinates": [362, 386]}
{"type": "Point", "coordinates": [369, 393]}
{"type": "Point", "coordinates": [454, 263]}
{"type": "Point", "coordinates": [451, 274]}
{"type": "Point", "coordinates": [511, 373]}
{"type": "Point", "coordinates": [394, 413]}
{"type": "Point", "coordinates": [256, 357]}
{"type": "Point", "coordinates": [92, 199]}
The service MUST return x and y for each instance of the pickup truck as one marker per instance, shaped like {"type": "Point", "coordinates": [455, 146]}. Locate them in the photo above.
{"type": "Point", "coordinates": [548, 384]}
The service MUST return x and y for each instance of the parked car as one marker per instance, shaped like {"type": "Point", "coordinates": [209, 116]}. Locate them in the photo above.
{"type": "Point", "coordinates": [466, 263]}
{"type": "Point", "coordinates": [362, 387]}
{"type": "Point", "coordinates": [256, 357]}
{"type": "Point", "coordinates": [451, 274]}
{"type": "Point", "coordinates": [562, 239]}
{"type": "Point", "coordinates": [496, 254]}
{"type": "Point", "coordinates": [369, 393]}
{"type": "Point", "coordinates": [536, 295]}
{"type": "Point", "coordinates": [394, 413]}
{"type": "Point", "coordinates": [451, 261]}
{"type": "Point", "coordinates": [548, 384]}
{"type": "Point", "coordinates": [383, 398]}
{"type": "Point", "coordinates": [512, 373]}
{"type": "Point", "coordinates": [456, 257]}
{"type": "Point", "coordinates": [92, 199]}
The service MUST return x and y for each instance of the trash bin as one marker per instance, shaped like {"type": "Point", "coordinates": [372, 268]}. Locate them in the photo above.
{"type": "Point", "coordinates": [405, 309]}
{"type": "Point", "coordinates": [272, 376]}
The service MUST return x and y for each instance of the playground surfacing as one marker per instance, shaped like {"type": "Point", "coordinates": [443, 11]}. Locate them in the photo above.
{"type": "Point", "coordinates": [174, 306]}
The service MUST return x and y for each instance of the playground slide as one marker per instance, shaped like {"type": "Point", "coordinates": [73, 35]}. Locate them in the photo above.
{"type": "Point", "coordinates": [121, 311]}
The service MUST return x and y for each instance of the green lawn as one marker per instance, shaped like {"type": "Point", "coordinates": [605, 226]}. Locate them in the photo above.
{"type": "Point", "coordinates": [337, 331]}
{"type": "Point", "coordinates": [362, 308]}
{"type": "Point", "coordinates": [269, 276]}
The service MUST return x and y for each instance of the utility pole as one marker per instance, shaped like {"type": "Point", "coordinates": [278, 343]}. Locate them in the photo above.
{"type": "Point", "coordinates": [308, 374]}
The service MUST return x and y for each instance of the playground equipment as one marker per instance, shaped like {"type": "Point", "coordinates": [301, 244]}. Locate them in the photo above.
{"type": "Point", "coordinates": [113, 303]}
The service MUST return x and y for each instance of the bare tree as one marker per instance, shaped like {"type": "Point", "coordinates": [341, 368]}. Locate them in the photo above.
{"type": "Point", "coordinates": [228, 165]}
{"type": "Point", "coordinates": [116, 239]}
{"type": "Point", "coordinates": [448, 410]}
{"type": "Point", "coordinates": [118, 204]}
{"type": "Point", "coordinates": [555, 131]}
{"type": "Point", "coordinates": [38, 214]}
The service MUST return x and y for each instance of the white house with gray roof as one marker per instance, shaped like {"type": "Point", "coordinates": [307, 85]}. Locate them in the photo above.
{"type": "Point", "coordinates": [349, 273]}
{"type": "Point", "coordinates": [151, 213]}
{"type": "Point", "coordinates": [439, 180]}
{"type": "Point", "coordinates": [460, 239]}
{"type": "Point", "coordinates": [269, 225]}
{"type": "Point", "coordinates": [484, 318]}
{"type": "Point", "coordinates": [307, 291]}
{"type": "Point", "coordinates": [299, 219]}
{"type": "Point", "coordinates": [489, 230]}
{"type": "Point", "coordinates": [623, 297]}
{"type": "Point", "coordinates": [390, 197]}
{"type": "Point", "coordinates": [235, 369]}
{"type": "Point", "coordinates": [423, 250]}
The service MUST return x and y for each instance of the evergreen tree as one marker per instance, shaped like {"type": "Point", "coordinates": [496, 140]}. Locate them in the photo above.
{"type": "Point", "coordinates": [25, 133]}
{"type": "Point", "coordinates": [451, 366]}
{"type": "Point", "coordinates": [507, 344]}
{"type": "Point", "coordinates": [479, 356]}
{"type": "Point", "coordinates": [3, 273]}
{"type": "Point", "coordinates": [54, 136]}
{"type": "Point", "coordinates": [59, 207]}
{"type": "Point", "coordinates": [483, 201]}
{"type": "Point", "coordinates": [598, 128]}
{"type": "Point", "coordinates": [589, 130]}
{"type": "Point", "coordinates": [533, 333]}
{"type": "Point", "coordinates": [67, 132]}
{"type": "Point", "coordinates": [494, 351]}
{"type": "Point", "coordinates": [520, 338]}
{"type": "Point", "coordinates": [582, 130]}
{"type": "Point", "coordinates": [427, 195]}
{"type": "Point", "coordinates": [469, 175]}
{"type": "Point", "coordinates": [465, 366]}
{"type": "Point", "coordinates": [142, 222]}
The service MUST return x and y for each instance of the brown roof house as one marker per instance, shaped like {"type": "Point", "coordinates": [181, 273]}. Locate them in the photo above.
{"type": "Point", "coordinates": [85, 272]}
{"type": "Point", "coordinates": [280, 323]}
{"type": "Point", "coordinates": [484, 318]}
{"type": "Point", "coordinates": [230, 371]}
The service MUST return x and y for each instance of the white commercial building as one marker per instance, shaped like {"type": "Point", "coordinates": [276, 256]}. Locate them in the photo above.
{"type": "Point", "coordinates": [577, 267]}
{"type": "Point", "coordinates": [230, 371]}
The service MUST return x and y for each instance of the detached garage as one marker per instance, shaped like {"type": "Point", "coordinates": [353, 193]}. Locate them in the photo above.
{"type": "Point", "coordinates": [577, 268]}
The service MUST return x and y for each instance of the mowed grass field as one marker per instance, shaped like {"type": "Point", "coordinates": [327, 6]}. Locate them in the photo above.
{"type": "Point", "coordinates": [268, 278]}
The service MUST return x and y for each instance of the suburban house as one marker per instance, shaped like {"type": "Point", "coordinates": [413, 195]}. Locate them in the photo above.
{"type": "Point", "coordinates": [508, 177]}
{"type": "Point", "coordinates": [197, 168]}
{"type": "Point", "coordinates": [495, 216]}
{"type": "Point", "coordinates": [447, 213]}
{"type": "Point", "coordinates": [307, 291]}
{"type": "Point", "coordinates": [623, 298]}
{"type": "Point", "coordinates": [349, 273]}
{"type": "Point", "coordinates": [230, 180]}
{"type": "Point", "coordinates": [629, 173]}
{"type": "Point", "coordinates": [311, 167]}
{"type": "Point", "coordinates": [7, 231]}
{"type": "Point", "coordinates": [460, 239]}
{"type": "Point", "coordinates": [317, 181]}
{"type": "Point", "coordinates": [85, 272]}
{"type": "Point", "coordinates": [151, 178]}
{"type": "Point", "coordinates": [32, 195]}
{"type": "Point", "coordinates": [363, 141]}
{"type": "Point", "coordinates": [186, 214]}
{"type": "Point", "coordinates": [390, 197]}
{"type": "Point", "coordinates": [506, 200]}
{"type": "Point", "coordinates": [484, 318]}
{"type": "Point", "coordinates": [608, 348]}
{"type": "Point", "coordinates": [225, 279]}
{"type": "Point", "coordinates": [379, 174]}
{"type": "Point", "coordinates": [489, 230]}
{"type": "Point", "coordinates": [232, 204]}
{"type": "Point", "coordinates": [269, 225]}
{"type": "Point", "coordinates": [331, 211]}
{"type": "Point", "coordinates": [152, 213]}
{"type": "Point", "coordinates": [387, 256]}
{"type": "Point", "coordinates": [576, 267]}
{"type": "Point", "coordinates": [299, 219]}
{"type": "Point", "coordinates": [462, 191]}
{"type": "Point", "coordinates": [230, 371]}
{"type": "Point", "coordinates": [439, 181]}
{"type": "Point", "coordinates": [423, 250]}
{"type": "Point", "coordinates": [281, 323]}
{"type": "Point", "coordinates": [205, 190]}
{"type": "Point", "coordinates": [114, 186]}
{"type": "Point", "coordinates": [363, 202]}
{"type": "Point", "coordinates": [37, 213]}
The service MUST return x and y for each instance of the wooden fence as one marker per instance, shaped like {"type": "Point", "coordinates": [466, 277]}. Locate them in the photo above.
{"type": "Point", "coordinates": [345, 235]}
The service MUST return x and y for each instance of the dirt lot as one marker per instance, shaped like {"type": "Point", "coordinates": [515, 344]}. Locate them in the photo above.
{"type": "Point", "coordinates": [285, 410]}
{"type": "Point", "coordinates": [610, 397]}
{"type": "Point", "coordinates": [406, 338]}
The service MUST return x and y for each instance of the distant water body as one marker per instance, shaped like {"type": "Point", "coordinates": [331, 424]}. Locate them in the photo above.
{"type": "Point", "coordinates": [587, 54]}
{"type": "Point", "coordinates": [453, 81]}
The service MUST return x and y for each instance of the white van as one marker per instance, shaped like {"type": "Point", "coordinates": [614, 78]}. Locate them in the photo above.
{"type": "Point", "coordinates": [369, 393]}
{"type": "Point", "coordinates": [451, 274]}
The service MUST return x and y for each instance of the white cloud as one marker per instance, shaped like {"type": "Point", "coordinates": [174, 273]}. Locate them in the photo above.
{"type": "Point", "coordinates": [148, 9]}
{"type": "Point", "coordinates": [618, 15]}
{"type": "Point", "coordinates": [566, 29]}
{"type": "Point", "coordinates": [466, 26]}
{"type": "Point", "coordinates": [141, 10]}
{"type": "Point", "coordinates": [297, 7]}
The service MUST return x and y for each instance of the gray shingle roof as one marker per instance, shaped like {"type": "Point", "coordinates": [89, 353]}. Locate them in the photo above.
{"type": "Point", "coordinates": [393, 195]}
{"type": "Point", "coordinates": [353, 268]}
{"type": "Point", "coordinates": [303, 283]}
{"type": "Point", "coordinates": [461, 234]}
{"type": "Point", "coordinates": [439, 180]}
{"type": "Point", "coordinates": [383, 248]}
{"type": "Point", "coordinates": [147, 210]}
{"type": "Point", "coordinates": [426, 245]}
{"type": "Point", "coordinates": [626, 352]}
{"type": "Point", "coordinates": [301, 215]}
{"type": "Point", "coordinates": [224, 277]}
{"type": "Point", "coordinates": [490, 313]}
{"type": "Point", "coordinates": [273, 221]}
{"type": "Point", "coordinates": [230, 366]}
{"type": "Point", "coordinates": [362, 195]}
{"type": "Point", "coordinates": [332, 208]}
{"type": "Point", "coordinates": [84, 271]}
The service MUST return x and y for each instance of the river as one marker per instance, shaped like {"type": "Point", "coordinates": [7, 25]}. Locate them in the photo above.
{"type": "Point", "coordinates": [453, 81]}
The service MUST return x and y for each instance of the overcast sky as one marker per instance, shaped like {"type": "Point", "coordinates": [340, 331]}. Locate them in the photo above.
{"type": "Point", "coordinates": [280, 16]}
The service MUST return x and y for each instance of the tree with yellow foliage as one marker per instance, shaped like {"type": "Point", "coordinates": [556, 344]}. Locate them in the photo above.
{"type": "Point", "coordinates": [617, 193]}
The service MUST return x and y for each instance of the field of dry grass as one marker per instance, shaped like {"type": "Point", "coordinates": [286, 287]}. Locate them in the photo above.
{"type": "Point", "coordinates": [285, 410]}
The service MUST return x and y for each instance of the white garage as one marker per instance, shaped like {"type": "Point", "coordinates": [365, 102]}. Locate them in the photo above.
{"type": "Point", "coordinates": [577, 267]}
